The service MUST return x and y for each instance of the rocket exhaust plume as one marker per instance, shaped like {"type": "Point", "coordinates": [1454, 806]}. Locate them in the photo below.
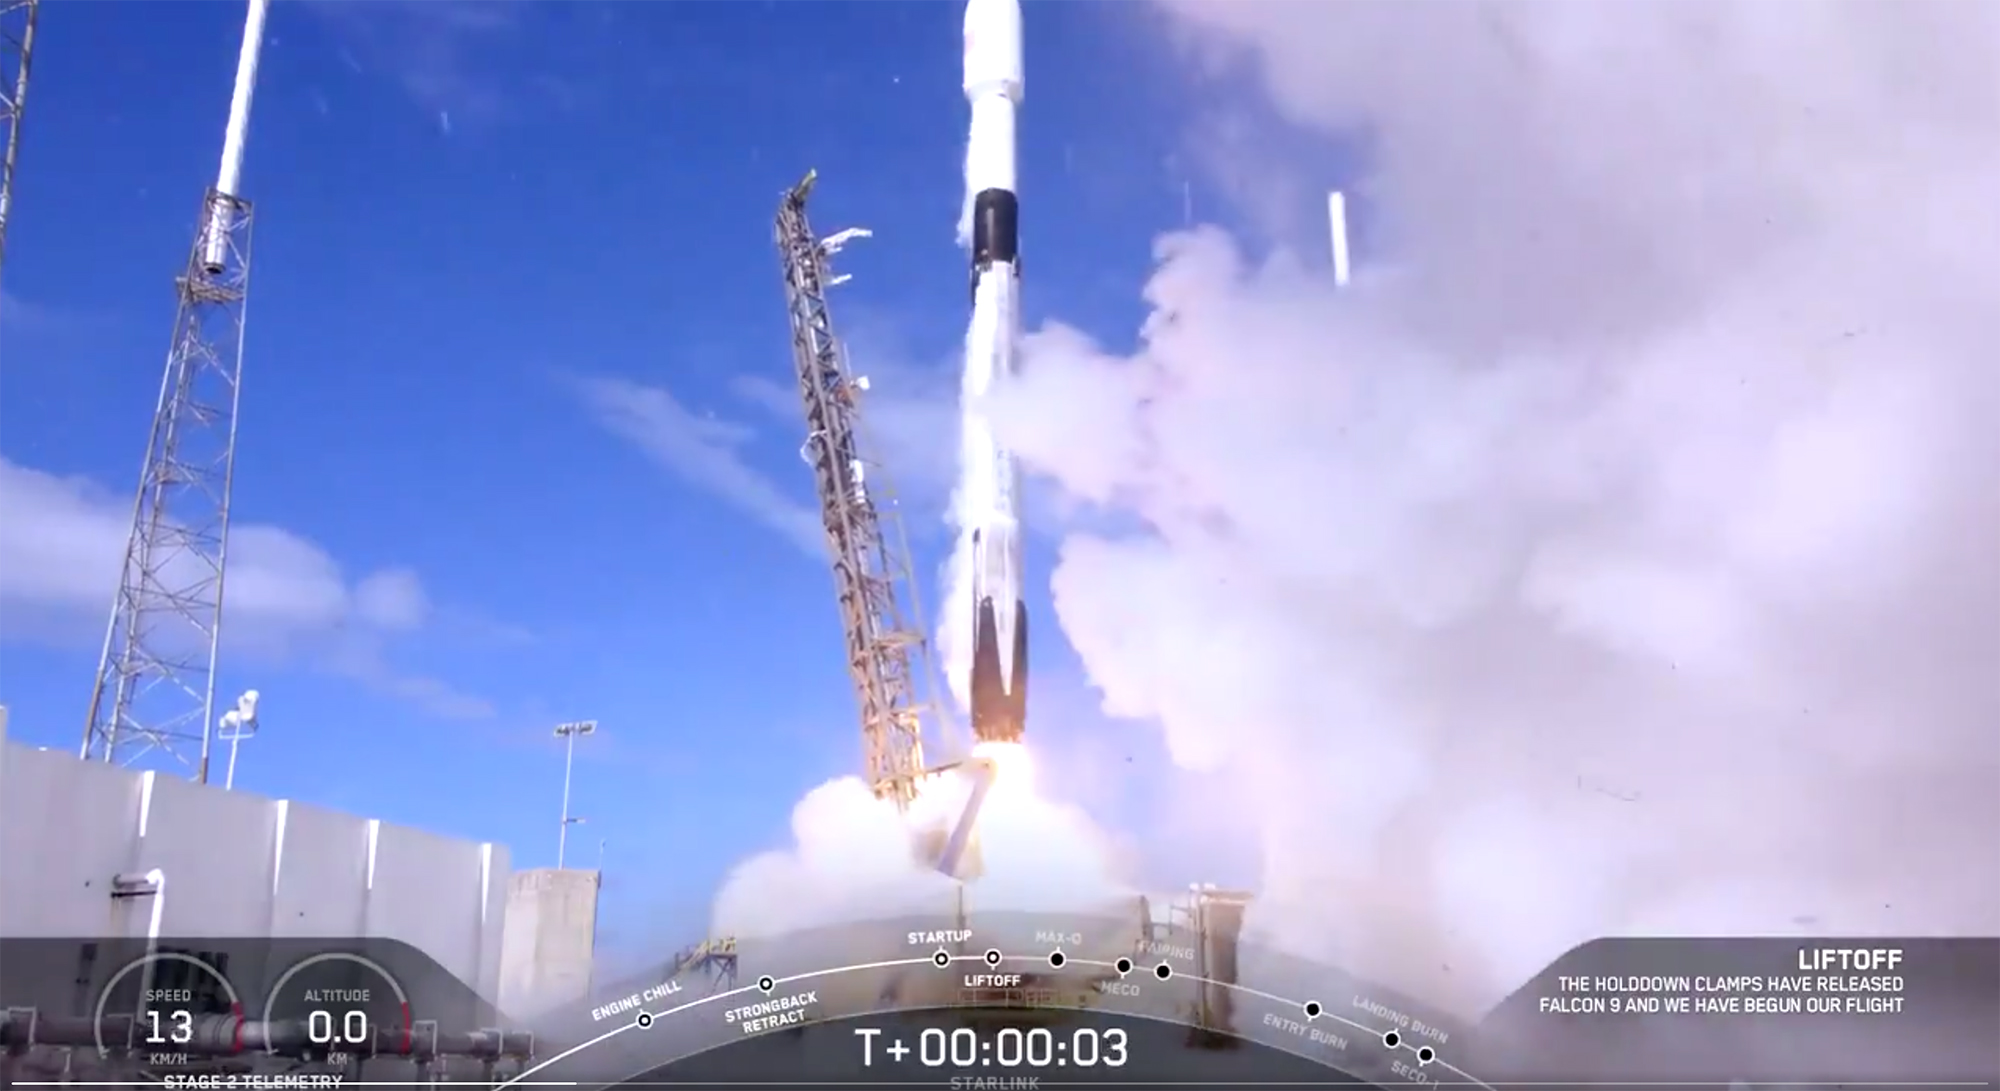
{"type": "Point", "coordinates": [1456, 586]}
{"type": "Point", "coordinates": [989, 564]}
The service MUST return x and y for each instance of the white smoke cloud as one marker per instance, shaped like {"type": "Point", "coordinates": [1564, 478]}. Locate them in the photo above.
{"type": "Point", "coordinates": [1630, 560]}
{"type": "Point", "coordinates": [854, 858]}
{"type": "Point", "coordinates": [954, 610]}
{"type": "Point", "coordinates": [851, 861]}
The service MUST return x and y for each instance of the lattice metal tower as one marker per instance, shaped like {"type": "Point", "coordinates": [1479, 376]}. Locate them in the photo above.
{"type": "Point", "coordinates": [887, 651]}
{"type": "Point", "coordinates": [156, 680]}
{"type": "Point", "coordinates": [17, 49]}
{"type": "Point", "coordinates": [155, 692]}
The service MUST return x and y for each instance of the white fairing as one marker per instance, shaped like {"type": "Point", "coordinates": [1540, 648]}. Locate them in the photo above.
{"type": "Point", "coordinates": [993, 86]}
{"type": "Point", "coordinates": [989, 150]}
{"type": "Point", "coordinates": [989, 504]}
{"type": "Point", "coordinates": [993, 48]}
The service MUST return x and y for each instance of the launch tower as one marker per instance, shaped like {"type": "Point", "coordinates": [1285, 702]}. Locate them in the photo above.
{"type": "Point", "coordinates": [155, 691]}
{"type": "Point", "coordinates": [886, 652]}
{"type": "Point", "coordinates": [17, 47]}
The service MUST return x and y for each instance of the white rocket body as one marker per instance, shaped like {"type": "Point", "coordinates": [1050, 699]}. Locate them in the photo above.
{"type": "Point", "coordinates": [989, 508]}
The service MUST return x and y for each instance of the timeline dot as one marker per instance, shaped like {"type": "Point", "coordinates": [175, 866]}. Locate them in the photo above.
{"type": "Point", "coordinates": [1312, 1009]}
{"type": "Point", "coordinates": [941, 959]}
{"type": "Point", "coordinates": [1163, 971]}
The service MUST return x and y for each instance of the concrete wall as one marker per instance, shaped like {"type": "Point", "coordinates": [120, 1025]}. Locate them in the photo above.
{"type": "Point", "coordinates": [236, 865]}
{"type": "Point", "coordinates": [550, 944]}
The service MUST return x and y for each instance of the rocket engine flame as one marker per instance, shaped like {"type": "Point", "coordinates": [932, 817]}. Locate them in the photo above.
{"type": "Point", "coordinates": [1013, 771]}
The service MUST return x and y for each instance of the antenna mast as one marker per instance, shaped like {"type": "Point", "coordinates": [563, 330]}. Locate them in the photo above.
{"type": "Point", "coordinates": [155, 690]}
{"type": "Point", "coordinates": [17, 45]}
{"type": "Point", "coordinates": [884, 650]}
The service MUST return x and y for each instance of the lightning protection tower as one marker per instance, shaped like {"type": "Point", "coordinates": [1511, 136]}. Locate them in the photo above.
{"type": "Point", "coordinates": [17, 47]}
{"type": "Point", "coordinates": [886, 653]}
{"type": "Point", "coordinates": [155, 692]}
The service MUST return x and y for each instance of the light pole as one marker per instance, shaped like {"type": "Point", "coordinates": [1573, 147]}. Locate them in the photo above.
{"type": "Point", "coordinates": [237, 724]}
{"type": "Point", "coordinates": [568, 733]}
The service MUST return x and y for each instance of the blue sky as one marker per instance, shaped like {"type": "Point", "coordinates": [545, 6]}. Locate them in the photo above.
{"type": "Point", "coordinates": [518, 367]}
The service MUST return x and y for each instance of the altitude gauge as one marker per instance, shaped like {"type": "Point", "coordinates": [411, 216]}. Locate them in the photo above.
{"type": "Point", "coordinates": [338, 1008]}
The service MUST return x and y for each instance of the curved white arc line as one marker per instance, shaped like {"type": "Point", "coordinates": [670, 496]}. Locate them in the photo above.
{"type": "Point", "coordinates": [657, 1016]}
{"type": "Point", "coordinates": [104, 994]}
{"type": "Point", "coordinates": [578, 1048]}
{"type": "Point", "coordinates": [1273, 997]}
{"type": "Point", "coordinates": [930, 1009]}
{"type": "Point", "coordinates": [1455, 1070]}
{"type": "Point", "coordinates": [1436, 1059]}
{"type": "Point", "coordinates": [278, 987]}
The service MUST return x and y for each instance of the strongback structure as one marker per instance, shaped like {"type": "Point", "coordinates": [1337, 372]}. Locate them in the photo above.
{"type": "Point", "coordinates": [17, 46]}
{"type": "Point", "coordinates": [713, 960]}
{"type": "Point", "coordinates": [155, 692]}
{"type": "Point", "coordinates": [887, 652]}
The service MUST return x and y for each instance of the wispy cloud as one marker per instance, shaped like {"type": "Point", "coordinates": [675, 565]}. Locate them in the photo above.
{"type": "Point", "coordinates": [368, 665]}
{"type": "Point", "coordinates": [908, 432]}
{"type": "Point", "coordinates": [21, 317]}
{"type": "Point", "coordinates": [454, 58]}
{"type": "Point", "coordinates": [63, 541]}
{"type": "Point", "coordinates": [909, 418]}
{"type": "Point", "coordinates": [702, 450]}
{"type": "Point", "coordinates": [909, 424]}
{"type": "Point", "coordinates": [19, 314]}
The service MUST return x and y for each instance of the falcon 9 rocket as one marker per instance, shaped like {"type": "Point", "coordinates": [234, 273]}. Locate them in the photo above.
{"type": "Point", "coordinates": [988, 510]}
